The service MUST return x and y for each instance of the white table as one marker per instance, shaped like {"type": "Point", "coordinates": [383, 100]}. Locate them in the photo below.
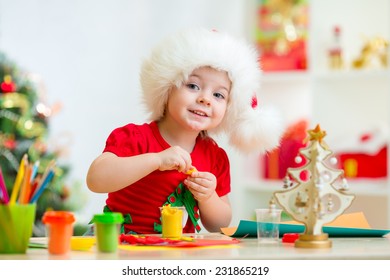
{"type": "Point", "coordinates": [247, 249]}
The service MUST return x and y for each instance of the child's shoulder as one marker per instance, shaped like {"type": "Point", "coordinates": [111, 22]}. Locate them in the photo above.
{"type": "Point", "coordinates": [132, 131]}
{"type": "Point", "coordinates": [135, 128]}
{"type": "Point", "coordinates": [209, 144]}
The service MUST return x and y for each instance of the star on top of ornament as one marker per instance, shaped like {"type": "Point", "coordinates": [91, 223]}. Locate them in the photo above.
{"type": "Point", "coordinates": [316, 134]}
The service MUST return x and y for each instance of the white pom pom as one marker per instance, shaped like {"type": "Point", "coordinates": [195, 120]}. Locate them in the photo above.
{"type": "Point", "coordinates": [256, 130]}
{"type": "Point", "coordinates": [298, 159]}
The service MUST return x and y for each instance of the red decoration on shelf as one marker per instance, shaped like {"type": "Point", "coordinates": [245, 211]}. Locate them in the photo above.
{"type": "Point", "coordinates": [364, 155]}
{"type": "Point", "coordinates": [281, 34]}
{"type": "Point", "coordinates": [335, 52]}
{"type": "Point", "coordinates": [360, 165]}
{"type": "Point", "coordinates": [294, 59]}
{"type": "Point", "coordinates": [277, 161]}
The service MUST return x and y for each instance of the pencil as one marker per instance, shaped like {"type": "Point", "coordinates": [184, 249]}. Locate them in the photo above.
{"type": "Point", "coordinates": [26, 186]}
{"type": "Point", "coordinates": [37, 188]}
{"type": "Point", "coordinates": [41, 188]}
{"type": "Point", "coordinates": [34, 171]}
{"type": "Point", "coordinates": [3, 188]}
{"type": "Point", "coordinates": [18, 180]}
{"type": "Point", "coordinates": [34, 186]}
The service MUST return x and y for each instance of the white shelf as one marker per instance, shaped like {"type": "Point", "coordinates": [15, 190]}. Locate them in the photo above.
{"type": "Point", "coordinates": [351, 75]}
{"type": "Point", "coordinates": [367, 187]}
{"type": "Point", "coordinates": [285, 76]}
{"type": "Point", "coordinates": [341, 101]}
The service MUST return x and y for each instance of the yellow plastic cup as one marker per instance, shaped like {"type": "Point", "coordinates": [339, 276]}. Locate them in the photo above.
{"type": "Point", "coordinates": [172, 221]}
{"type": "Point", "coordinates": [16, 225]}
{"type": "Point", "coordinates": [59, 225]}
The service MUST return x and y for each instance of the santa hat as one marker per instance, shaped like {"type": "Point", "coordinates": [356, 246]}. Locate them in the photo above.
{"type": "Point", "coordinates": [249, 127]}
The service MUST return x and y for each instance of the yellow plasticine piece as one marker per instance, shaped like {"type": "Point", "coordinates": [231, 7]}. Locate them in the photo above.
{"type": "Point", "coordinates": [192, 170]}
{"type": "Point", "coordinates": [166, 209]}
{"type": "Point", "coordinates": [186, 238]}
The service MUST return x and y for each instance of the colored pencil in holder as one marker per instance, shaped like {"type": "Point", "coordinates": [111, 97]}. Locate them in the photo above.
{"type": "Point", "coordinates": [26, 186]}
{"type": "Point", "coordinates": [3, 189]}
{"type": "Point", "coordinates": [44, 183]}
{"type": "Point", "coordinates": [34, 171]}
{"type": "Point", "coordinates": [18, 180]}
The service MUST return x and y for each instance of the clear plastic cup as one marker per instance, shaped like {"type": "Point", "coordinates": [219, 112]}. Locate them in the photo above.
{"type": "Point", "coordinates": [59, 226]}
{"type": "Point", "coordinates": [107, 229]}
{"type": "Point", "coordinates": [16, 226]}
{"type": "Point", "coordinates": [268, 221]}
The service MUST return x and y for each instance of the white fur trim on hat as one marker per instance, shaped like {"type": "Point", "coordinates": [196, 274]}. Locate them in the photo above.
{"type": "Point", "coordinates": [173, 60]}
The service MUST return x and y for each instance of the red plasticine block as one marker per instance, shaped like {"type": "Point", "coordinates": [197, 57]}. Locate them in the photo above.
{"type": "Point", "coordinates": [290, 237]}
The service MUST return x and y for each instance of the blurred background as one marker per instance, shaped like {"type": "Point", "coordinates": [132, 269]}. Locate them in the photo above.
{"type": "Point", "coordinates": [86, 56]}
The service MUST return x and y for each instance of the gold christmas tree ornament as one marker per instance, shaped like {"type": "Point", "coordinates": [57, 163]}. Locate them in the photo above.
{"type": "Point", "coordinates": [316, 193]}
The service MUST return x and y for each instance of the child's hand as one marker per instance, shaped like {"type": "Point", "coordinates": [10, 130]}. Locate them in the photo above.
{"type": "Point", "coordinates": [174, 158]}
{"type": "Point", "coordinates": [201, 184]}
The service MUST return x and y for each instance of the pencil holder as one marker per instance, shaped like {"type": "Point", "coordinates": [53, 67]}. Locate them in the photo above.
{"type": "Point", "coordinates": [16, 225]}
{"type": "Point", "coordinates": [59, 225]}
{"type": "Point", "coordinates": [107, 228]}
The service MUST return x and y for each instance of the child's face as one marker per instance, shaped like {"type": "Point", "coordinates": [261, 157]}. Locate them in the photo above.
{"type": "Point", "coordinates": [201, 102]}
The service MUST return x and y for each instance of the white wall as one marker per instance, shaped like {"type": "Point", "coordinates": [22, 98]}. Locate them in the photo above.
{"type": "Point", "coordinates": [88, 54]}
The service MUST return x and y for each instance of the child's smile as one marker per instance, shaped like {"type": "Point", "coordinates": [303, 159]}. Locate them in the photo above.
{"type": "Point", "coordinates": [199, 113]}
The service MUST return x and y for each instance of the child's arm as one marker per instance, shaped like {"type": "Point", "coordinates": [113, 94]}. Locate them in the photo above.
{"type": "Point", "coordinates": [109, 173]}
{"type": "Point", "coordinates": [215, 211]}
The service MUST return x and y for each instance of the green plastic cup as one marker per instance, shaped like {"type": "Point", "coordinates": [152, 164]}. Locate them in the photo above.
{"type": "Point", "coordinates": [16, 225]}
{"type": "Point", "coordinates": [107, 228]}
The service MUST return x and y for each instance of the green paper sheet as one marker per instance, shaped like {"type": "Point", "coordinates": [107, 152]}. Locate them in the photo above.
{"type": "Point", "coordinates": [249, 229]}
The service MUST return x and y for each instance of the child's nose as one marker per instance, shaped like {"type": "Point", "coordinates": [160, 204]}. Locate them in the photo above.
{"type": "Point", "coordinates": [203, 99]}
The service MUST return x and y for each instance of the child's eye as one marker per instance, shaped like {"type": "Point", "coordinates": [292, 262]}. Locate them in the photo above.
{"type": "Point", "coordinates": [193, 86]}
{"type": "Point", "coordinates": [219, 95]}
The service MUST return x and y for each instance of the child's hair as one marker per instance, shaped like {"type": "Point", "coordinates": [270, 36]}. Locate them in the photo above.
{"type": "Point", "coordinates": [249, 127]}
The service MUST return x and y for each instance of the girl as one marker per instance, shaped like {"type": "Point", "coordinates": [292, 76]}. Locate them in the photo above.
{"type": "Point", "coordinates": [195, 83]}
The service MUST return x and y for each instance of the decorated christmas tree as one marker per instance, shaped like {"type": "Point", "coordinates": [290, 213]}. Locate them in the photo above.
{"type": "Point", "coordinates": [24, 124]}
{"type": "Point", "coordinates": [316, 194]}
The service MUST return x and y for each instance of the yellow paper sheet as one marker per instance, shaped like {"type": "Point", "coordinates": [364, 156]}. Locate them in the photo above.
{"type": "Point", "coordinates": [353, 220]}
{"type": "Point", "coordinates": [350, 220]}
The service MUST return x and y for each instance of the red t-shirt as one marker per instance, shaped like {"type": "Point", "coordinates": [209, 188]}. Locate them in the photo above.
{"type": "Point", "coordinates": [143, 198]}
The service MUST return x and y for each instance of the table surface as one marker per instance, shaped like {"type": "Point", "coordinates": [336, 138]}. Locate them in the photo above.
{"type": "Point", "coordinates": [246, 249]}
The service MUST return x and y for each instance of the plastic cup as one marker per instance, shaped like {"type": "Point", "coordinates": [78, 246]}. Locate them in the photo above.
{"type": "Point", "coordinates": [172, 221]}
{"type": "Point", "coordinates": [107, 228]}
{"type": "Point", "coordinates": [16, 225]}
{"type": "Point", "coordinates": [268, 225]}
{"type": "Point", "coordinates": [59, 226]}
